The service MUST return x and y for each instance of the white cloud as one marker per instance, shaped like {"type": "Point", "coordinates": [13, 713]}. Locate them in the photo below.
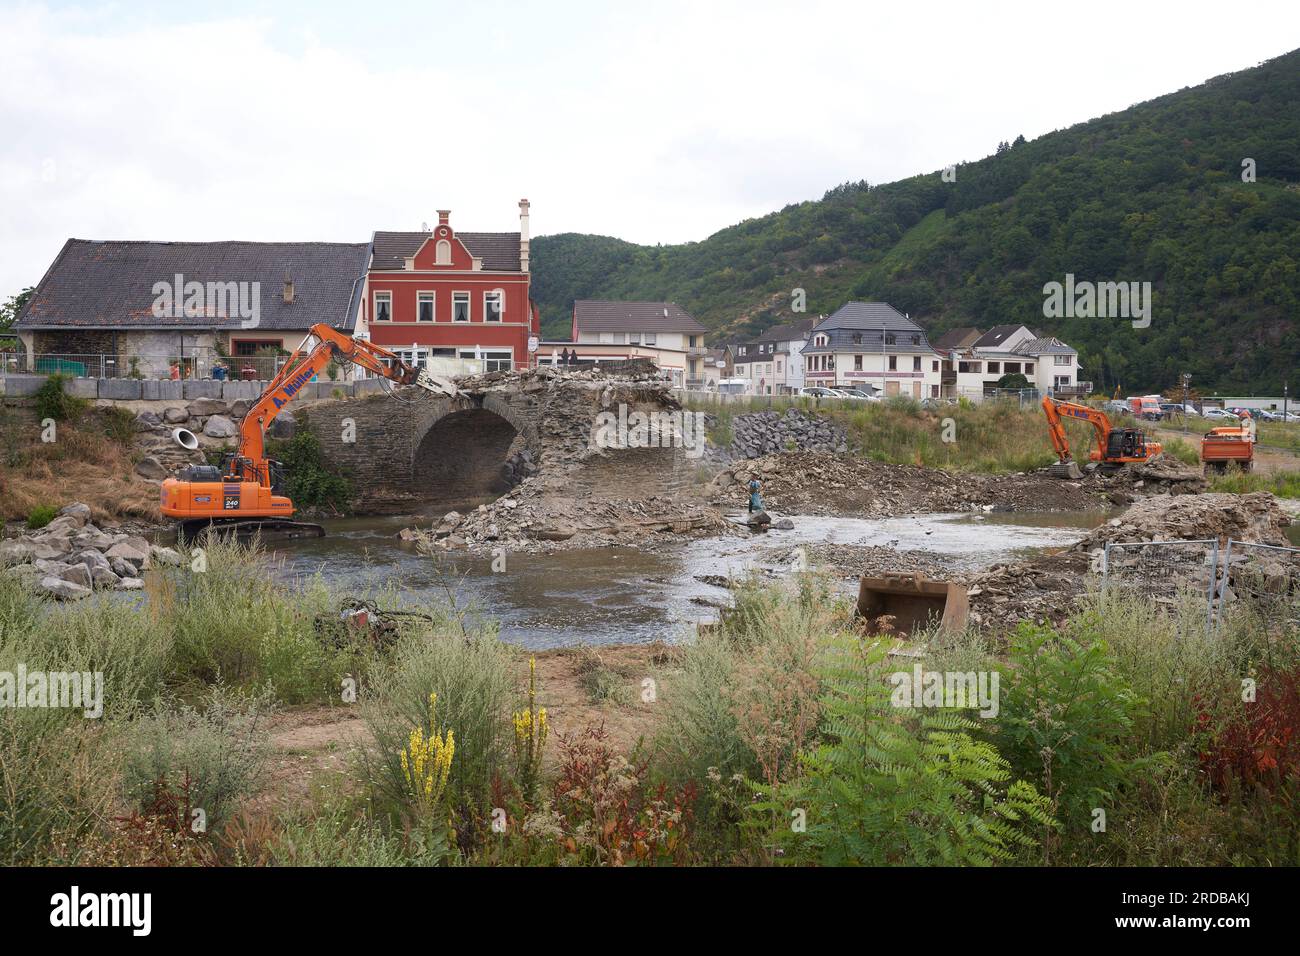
{"type": "Point", "coordinates": [660, 124]}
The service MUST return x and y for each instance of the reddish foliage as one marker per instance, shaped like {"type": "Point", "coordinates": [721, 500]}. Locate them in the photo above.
{"type": "Point", "coordinates": [1258, 744]}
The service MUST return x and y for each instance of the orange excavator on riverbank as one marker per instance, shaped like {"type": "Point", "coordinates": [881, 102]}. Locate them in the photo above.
{"type": "Point", "coordinates": [244, 491]}
{"type": "Point", "coordinates": [1116, 447]}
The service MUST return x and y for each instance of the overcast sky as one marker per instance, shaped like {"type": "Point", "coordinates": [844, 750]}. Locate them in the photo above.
{"type": "Point", "coordinates": [653, 122]}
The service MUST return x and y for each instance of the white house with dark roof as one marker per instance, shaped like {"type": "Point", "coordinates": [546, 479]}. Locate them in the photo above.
{"type": "Point", "coordinates": [117, 308]}
{"type": "Point", "coordinates": [1051, 366]}
{"type": "Point", "coordinates": [663, 332]}
{"type": "Point", "coordinates": [772, 364]}
{"type": "Point", "coordinates": [872, 343]}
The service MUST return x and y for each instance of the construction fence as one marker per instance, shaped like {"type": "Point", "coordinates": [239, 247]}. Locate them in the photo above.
{"type": "Point", "coordinates": [1244, 577]}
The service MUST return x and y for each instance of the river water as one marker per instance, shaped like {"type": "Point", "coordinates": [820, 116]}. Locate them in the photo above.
{"type": "Point", "coordinates": [627, 595]}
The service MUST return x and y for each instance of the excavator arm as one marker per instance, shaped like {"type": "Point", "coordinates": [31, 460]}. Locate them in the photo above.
{"type": "Point", "coordinates": [1053, 409]}
{"type": "Point", "coordinates": [303, 365]}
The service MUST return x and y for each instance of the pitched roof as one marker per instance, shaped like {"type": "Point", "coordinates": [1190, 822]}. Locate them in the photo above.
{"type": "Point", "coordinates": [498, 250]}
{"type": "Point", "coordinates": [996, 336]}
{"type": "Point", "coordinates": [789, 332]}
{"type": "Point", "coordinates": [960, 338]}
{"type": "Point", "coordinates": [603, 315]}
{"type": "Point", "coordinates": [1044, 345]}
{"type": "Point", "coordinates": [865, 325]}
{"type": "Point", "coordinates": [110, 284]}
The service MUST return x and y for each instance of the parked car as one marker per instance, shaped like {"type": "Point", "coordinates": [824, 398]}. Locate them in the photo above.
{"type": "Point", "coordinates": [857, 393]}
{"type": "Point", "coordinates": [1264, 415]}
{"type": "Point", "coordinates": [818, 391]}
{"type": "Point", "coordinates": [1117, 407]}
{"type": "Point", "coordinates": [1219, 414]}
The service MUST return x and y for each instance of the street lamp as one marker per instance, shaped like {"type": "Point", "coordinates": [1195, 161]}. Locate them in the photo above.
{"type": "Point", "coordinates": [1186, 381]}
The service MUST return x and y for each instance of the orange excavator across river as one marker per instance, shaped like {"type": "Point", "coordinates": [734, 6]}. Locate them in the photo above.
{"type": "Point", "coordinates": [244, 491]}
{"type": "Point", "coordinates": [1116, 447]}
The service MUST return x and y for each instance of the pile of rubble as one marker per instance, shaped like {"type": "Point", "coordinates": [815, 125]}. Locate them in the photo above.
{"type": "Point", "coordinates": [639, 371]}
{"type": "Point", "coordinates": [825, 484]}
{"type": "Point", "coordinates": [1043, 590]}
{"type": "Point", "coordinates": [1162, 475]}
{"type": "Point", "coordinates": [523, 521]}
{"type": "Point", "coordinates": [70, 558]}
{"type": "Point", "coordinates": [1253, 517]}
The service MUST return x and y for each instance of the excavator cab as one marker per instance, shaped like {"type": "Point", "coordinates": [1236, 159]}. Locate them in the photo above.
{"type": "Point", "coordinates": [1124, 443]}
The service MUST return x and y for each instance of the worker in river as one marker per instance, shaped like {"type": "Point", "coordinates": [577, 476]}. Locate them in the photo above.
{"type": "Point", "coordinates": [755, 500]}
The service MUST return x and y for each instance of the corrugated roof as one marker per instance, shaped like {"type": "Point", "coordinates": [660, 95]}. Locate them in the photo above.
{"type": "Point", "coordinates": [498, 250]}
{"type": "Point", "coordinates": [1045, 345]}
{"type": "Point", "coordinates": [604, 315]}
{"type": "Point", "coordinates": [110, 284]}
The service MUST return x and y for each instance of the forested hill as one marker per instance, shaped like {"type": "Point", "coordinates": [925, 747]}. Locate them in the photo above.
{"type": "Point", "coordinates": [1154, 193]}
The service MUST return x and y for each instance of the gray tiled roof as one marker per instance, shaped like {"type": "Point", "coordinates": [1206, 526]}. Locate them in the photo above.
{"type": "Point", "coordinates": [996, 336]}
{"type": "Point", "coordinates": [865, 326]}
{"type": "Point", "coordinates": [603, 315]}
{"type": "Point", "coordinates": [959, 338]}
{"type": "Point", "coordinates": [789, 332]}
{"type": "Point", "coordinates": [109, 284]}
{"type": "Point", "coordinates": [498, 250]}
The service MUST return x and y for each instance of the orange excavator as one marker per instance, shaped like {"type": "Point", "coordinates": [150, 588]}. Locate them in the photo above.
{"type": "Point", "coordinates": [243, 493]}
{"type": "Point", "coordinates": [1116, 447]}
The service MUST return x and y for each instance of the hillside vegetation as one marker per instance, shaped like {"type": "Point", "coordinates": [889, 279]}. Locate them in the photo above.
{"type": "Point", "coordinates": [1151, 194]}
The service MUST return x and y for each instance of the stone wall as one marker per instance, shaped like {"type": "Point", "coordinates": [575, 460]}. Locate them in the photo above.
{"type": "Point", "coordinates": [765, 433]}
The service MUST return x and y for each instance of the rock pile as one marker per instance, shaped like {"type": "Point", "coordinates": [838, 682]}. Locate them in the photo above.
{"type": "Point", "coordinates": [1162, 475]}
{"type": "Point", "coordinates": [767, 433]}
{"type": "Point", "coordinates": [522, 521]}
{"type": "Point", "coordinates": [825, 484]}
{"type": "Point", "coordinates": [1043, 590]}
{"type": "Point", "coordinates": [213, 421]}
{"type": "Point", "coordinates": [70, 558]}
{"type": "Point", "coordinates": [1254, 517]}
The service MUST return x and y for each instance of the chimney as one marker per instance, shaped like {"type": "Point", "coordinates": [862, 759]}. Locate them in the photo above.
{"type": "Point", "coordinates": [523, 235]}
{"type": "Point", "coordinates": [443, 216]}
{"type": "Point", "coordinates": [288, 289]}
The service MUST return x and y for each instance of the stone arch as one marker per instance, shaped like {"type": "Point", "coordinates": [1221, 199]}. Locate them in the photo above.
{"type": "Point", "coordinates": [463, 458]}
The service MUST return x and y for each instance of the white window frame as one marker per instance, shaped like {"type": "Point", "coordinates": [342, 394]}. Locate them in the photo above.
{"type": "Point", "coordinates": [431, 297]}
{"type": "Point", "coordinates": [501, 302]}
{"type": "Point", "coordinates": [374, 305]}
{"type": "Point", "coordinates": [469, 307]}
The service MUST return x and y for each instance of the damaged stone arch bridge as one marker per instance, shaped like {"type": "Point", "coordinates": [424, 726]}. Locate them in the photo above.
{"type": "Point", "coordinates": [409, 450]}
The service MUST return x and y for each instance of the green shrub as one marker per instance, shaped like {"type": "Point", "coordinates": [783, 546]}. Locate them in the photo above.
{"type": "Point", "coordinates": [471, 675]}
{"type": "Point", "coordinates": [41, 515]}
{"type": "Point", "coordinates": [337, 838]}
{"type": "Point", "coordinates": [309, 480]}
{"type": "Point", "coordinates": [119, 425]}
{"type": "Point", "coordinates": [53, 402]}
{"type": "Point", "coordinates": [220, 748]}
{"type": "Point", "coordinates": [891, 787]}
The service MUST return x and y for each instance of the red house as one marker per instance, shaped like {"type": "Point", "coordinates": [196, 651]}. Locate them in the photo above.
{"type": "Point", "coordinates": [449, 294]}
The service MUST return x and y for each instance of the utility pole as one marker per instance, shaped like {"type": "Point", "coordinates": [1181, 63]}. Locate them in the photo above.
{"type": "Point", "coordinates": [1186, 381]}
{"type": "Point", "coordinates": [1285, 419]}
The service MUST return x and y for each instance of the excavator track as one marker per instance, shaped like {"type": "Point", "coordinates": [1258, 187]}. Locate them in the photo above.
{"type": "Point", "coordinates": [273, 528]}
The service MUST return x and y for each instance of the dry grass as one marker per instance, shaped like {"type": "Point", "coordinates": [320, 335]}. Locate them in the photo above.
{"type": "Point", "coordinates": [82, 465]}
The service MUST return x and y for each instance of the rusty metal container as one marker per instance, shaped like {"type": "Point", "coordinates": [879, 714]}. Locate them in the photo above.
{"type": "Point", "coordinates": [912, 603]}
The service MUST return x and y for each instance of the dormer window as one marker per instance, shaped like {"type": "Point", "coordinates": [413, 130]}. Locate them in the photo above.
{"type": "Point", "coordinates": [857, 338]}
{"type": "Point", "coordinates": [890, 338]}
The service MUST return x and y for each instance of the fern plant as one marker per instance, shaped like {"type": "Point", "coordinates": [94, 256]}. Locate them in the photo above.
{"type": "Point", "coordinates": [1065, 715]}
{"type": "Point", "coordinates": [893, 787]}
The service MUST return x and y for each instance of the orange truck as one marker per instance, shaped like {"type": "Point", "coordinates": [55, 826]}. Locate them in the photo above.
{"type": "Point", "coordinates": [1231, 445]}
{"type": "Point", "coordinates": [1146, 407]}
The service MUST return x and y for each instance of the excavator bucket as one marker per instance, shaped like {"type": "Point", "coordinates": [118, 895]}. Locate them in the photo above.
{"type": "Point", "coordinates": [1065, 469]}
{"type": "Point", "coordinates": [900, 604]}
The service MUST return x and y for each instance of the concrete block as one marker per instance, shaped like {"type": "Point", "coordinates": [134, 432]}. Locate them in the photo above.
{"type": "Point", "coordinates": [368, 386]}
{"type": "Point", "coordinates": [201, 388]}
{"type": "Point", "coordinates": [22, 386]}
{"type": "Point", "coordinates": [234, 391]}
{"type": "Point", "coordinates": [82, 387]}
{"type": "Point", "coordinates": [120, 389]}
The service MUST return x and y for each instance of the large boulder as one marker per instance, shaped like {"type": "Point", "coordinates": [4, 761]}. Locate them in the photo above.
{"type": "Point", "coordinates": [151, 468]}
{"type": "Point", "coordinates": [219, 426]}
{"type": "Point", "coordinates": [92, 537]}
{"type": "Point", "coordinates": [77, 574]}
{"type": "Point", "coordinates": [63, 590]}
{"type": "Point", "coordinates": [123, 568]}
{"type": "Point", "coordinates": [239, 408]}
{"type": "Point", "coordinates": [175, 416]}
{"type": "Point", "coordinates": [16, 551]}
{"type": "Point", "coordinates": [125, 552]}
{"type": "Point", "coordinates": [70, 524]}
{"type": "Point", "coordinates": [51, 547]}
{"type": "Point", "coordinates": [283, 425]}
{"type": "Point", "coordinates": [94, 561]}
{"type": "Point", "coordinates": [104, 579]}
{"type": "Point", "coordinates": [146, 421]}
{"type": "Point", "coordinates": [166, 556]}
{"type": "Point", "coordinates": [202, 407]}
{"type": "Point", "coordinates": [130, 584]}
{"type": "Point", "coordinates": [77, 511]}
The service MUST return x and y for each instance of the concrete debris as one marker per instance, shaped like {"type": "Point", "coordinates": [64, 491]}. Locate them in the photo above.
{"type": "Point", "coordinates": [1162, 475]}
